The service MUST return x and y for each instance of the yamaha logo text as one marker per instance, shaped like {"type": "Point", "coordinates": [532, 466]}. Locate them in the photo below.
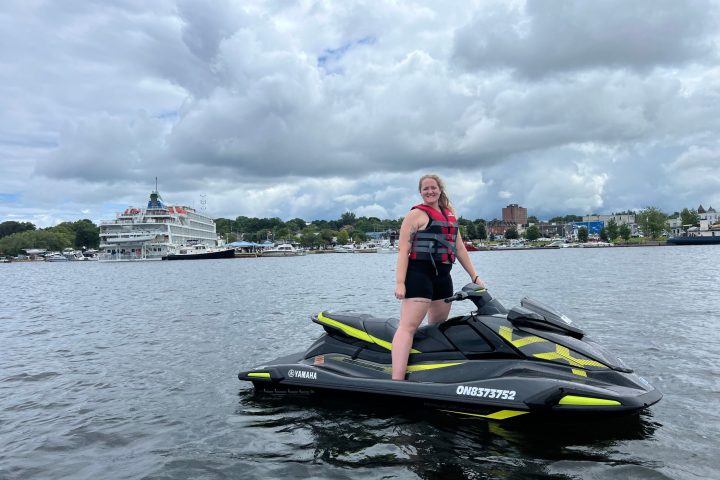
{"type": "Point", "coordinates": [302, 374]}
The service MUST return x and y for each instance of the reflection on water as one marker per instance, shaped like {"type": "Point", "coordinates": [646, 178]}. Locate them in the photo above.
{"type": "Point", "coordinates": [359, 435]}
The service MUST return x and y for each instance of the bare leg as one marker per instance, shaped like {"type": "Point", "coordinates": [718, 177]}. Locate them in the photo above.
{"type": "Point", "coordinates": [438, 312]}
{"type": "Point", "coordinates": [412, 312]}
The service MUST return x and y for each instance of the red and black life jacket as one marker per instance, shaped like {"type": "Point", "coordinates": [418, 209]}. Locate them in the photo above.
{"type": "Point", "coordinates": [435, 243]}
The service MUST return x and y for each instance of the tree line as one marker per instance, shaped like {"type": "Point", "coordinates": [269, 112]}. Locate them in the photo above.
{"type": "Point", "coordinates": [348, 228]}
{"type": "Point", "coordinates": [16, 236]}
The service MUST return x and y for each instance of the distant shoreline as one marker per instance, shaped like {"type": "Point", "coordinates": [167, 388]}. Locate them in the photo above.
{"type": "Point", "coordinates": [480, 249]}
{"type": "Point", "coordinates": [583, 246]}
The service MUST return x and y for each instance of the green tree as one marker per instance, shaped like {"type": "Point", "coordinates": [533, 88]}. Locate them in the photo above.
{"type": "Point", "coordinates": [511, 233]}
{"type": "Point", "coordinates": [87, 234]}
{"type": "Point", "coordinates": [689, 217]}
{"type": "Point", "coordinates": [224, 226]}
{"type": "Point", "coordinates": [343, 237]}
{"type": "Point", "coordinates": [467, 229]}
{"type": "Point", "coordinates": [481, 230]}
{"type": "Point", "coordinates": [532, 233]}
{"type": "Point", "coordinates": [282, 233]}
{"type": "Point", "coordinates": [566, 219]}
{"type": "Point", "coordinates": [624, 231]}
{"type": "Point", "coordinates": [296, 224]}
{"type": "Point", "coordinates": [359, 236]}
{"type": "Point", "coordinates": [48, 239]}
{"type": "Point", "coordinates": [65, 228]}
{"type": "Point", "coordinates": [11, 226]}
{"type": "Point", "coordinates": [651, 221]}
{"type": "Point", "coordinates": [533, 219]}
{"type": "Point", "coordinates": [327, 236]}
{"type": "Point", "coordinates": [348, 218]}
{"type": "Point", "coordinates": [583, 234]}
{"type": "Point", "coordinates": [604, 235]}
{"type": "Point", "coordinates": [309, 237]}
{"type": "Point", "coordinates": [612, 230]}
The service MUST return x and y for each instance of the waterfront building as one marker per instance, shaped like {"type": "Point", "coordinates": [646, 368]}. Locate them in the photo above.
{"type": "Point", "coordinates": [592, 227]}
{"type": "Point", "coordinates": [675, 225]}
{"type": "Point", "coordinates": [710, 215]}
{"type": "Point", "coordinates": [551, 230]}
{"type": "Point", "coordinates": [621, 219]}
{"type": "Point", "coordinates": [514, 213]}
{"type": "Point", "coordinates": [498, 227]}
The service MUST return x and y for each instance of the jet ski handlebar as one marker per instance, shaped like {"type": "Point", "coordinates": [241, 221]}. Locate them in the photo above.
{"type": "Point", "coordinates": [457, 296]}
{"type": "Point", "coordinates": [485, 303]}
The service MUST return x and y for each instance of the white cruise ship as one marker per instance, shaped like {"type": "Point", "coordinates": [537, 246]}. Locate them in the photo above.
{"type": "Point", "coordinates": [154, 232]}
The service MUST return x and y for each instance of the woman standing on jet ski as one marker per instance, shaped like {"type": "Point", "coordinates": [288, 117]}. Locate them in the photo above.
{"type": "Point", "coordinates": [428, 246]}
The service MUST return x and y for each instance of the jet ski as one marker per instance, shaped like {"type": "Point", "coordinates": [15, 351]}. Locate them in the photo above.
{"type": "Point", "coordinates": [493, 363]}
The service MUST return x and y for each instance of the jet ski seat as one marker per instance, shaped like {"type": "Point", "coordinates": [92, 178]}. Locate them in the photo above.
{"type": "Point", "coordinates": [380, 331]}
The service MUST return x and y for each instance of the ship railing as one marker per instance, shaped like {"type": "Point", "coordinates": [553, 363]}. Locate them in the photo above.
{"type": "Point", "coordinates": [119, 257]}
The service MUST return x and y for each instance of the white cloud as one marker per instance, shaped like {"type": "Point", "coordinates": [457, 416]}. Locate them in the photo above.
{"type": "Point", "coordinates": [308, 109]}
{"type": "Point", "coordinates": [697, 169]}
{"type": "Point", "coordinates": [373, 210]}
{"type": "Point", "coordinates": [540, 38]}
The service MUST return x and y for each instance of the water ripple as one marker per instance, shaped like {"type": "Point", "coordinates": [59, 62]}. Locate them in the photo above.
{"type": "Point", "coordinates": [129, 371]}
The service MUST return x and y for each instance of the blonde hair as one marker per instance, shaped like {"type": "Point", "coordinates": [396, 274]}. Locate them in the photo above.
{"type": "Point", "coordinates": [443, 201]}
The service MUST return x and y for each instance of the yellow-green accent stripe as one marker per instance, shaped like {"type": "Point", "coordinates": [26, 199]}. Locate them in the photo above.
{"type": "Point", "coordinates": [259, 374]}
{"type": "Point", "coordinates": [587, 401]}
{"type": "Point", "coordinates": [357, 333]}
{"type": "Point", "coordinates": [499, 415]}
{"type": "Point", "coordinates": [577, 371]}
{"type": "Point", "coordinates": [430, 366]}
{"type": "Point", "coordinates": [507, 334]}
{"type": "Point", "coordinates": [564, 353]}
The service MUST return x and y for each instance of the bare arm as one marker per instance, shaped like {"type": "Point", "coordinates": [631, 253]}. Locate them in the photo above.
{"type": "Point", "coordinates": [464, 259]}
{"type": "Point", "coordinates": [412, 222]}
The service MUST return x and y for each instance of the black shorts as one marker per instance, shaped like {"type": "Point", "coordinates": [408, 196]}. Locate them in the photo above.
{"type": "Point", "coordinates": [422, 281]}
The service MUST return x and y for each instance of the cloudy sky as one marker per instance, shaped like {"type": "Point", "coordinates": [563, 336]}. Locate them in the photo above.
{"type": "Point", "coordinates": [310, 109]}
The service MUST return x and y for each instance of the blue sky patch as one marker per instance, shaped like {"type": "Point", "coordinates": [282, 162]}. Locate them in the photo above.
{"type": "Point", "coordinates": [331, 55]}
{"type": "Point", "coordinates": [9, 197]}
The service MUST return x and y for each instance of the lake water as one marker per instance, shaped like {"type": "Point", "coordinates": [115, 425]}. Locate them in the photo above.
{"type": "Point", "coordinates": [129, 370]}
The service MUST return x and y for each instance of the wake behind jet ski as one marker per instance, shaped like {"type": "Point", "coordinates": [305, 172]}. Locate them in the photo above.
{"type": "Point", "coordinates": [491, 363]}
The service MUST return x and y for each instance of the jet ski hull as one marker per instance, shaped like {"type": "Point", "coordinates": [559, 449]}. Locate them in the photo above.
{"type": "Point", "coordinates": [495, 364]}
{"type": "Point", "coordinates": [502, 398]}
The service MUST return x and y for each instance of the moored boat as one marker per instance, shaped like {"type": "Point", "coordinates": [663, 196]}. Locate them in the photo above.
{"type": "Point", "coordinates": [55, 257]}
{"type": "Point", "coordinates": [200, 252]}
{"type": "Point", "coordinates": [694, 240]}
{"type": "Point", "coordinates": [245, 249]}
{"type": "Point", "coordinates": [704, 234]}
{"type": "Point", "coordinates": [283, 250]}
{"type": "Point", "coordinates": [366, 248]}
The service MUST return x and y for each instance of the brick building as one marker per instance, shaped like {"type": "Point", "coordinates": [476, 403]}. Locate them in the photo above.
{"type": "Point", "coordinates": [514, 213]}
{"type": "Point", "coordinates": [498, 227]}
